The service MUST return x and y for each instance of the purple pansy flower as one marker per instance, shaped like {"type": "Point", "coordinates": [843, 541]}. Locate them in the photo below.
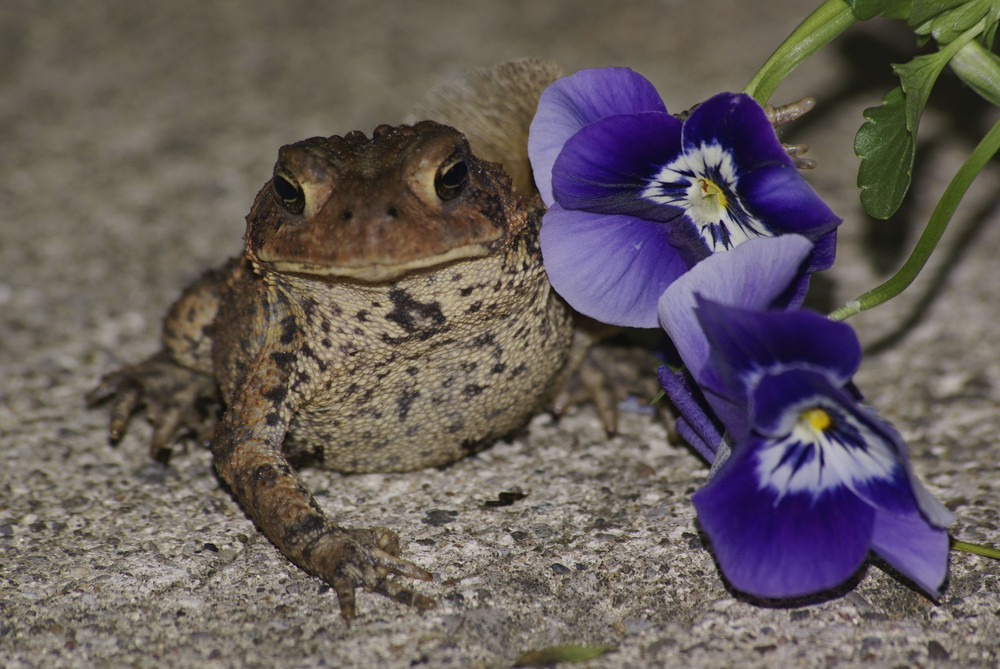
{"type": "Point", "coordinates": [760, 274]}
{"type": "Point", "coordinates": [636, 197]}
{"type": "Point", "coordinates": [812, 479]}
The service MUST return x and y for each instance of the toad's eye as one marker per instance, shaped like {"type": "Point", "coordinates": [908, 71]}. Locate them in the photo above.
{"type": "Point", "coordinates": [288, 191]}
{"type": "Point", "coordinates": [451, 177]}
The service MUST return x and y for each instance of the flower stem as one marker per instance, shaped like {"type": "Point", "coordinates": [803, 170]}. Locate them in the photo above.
{"type": "Point", "coordinates": [977, 549]}
{"type": "Point", "coordinates": [826, 22]}
{"type": "Point", "coordinates": [980, 69]}
{"type": "Point", "coordinates": [939, 219]}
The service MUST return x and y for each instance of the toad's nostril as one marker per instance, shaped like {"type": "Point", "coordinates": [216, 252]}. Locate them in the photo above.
{"type": "Point", "coordinates": [393, 212]}
{"type": "Point", "coordinates": [346, 215]}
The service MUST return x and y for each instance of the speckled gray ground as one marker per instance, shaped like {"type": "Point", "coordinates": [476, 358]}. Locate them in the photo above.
{"type": "Point", "coordinates": [133, 137]}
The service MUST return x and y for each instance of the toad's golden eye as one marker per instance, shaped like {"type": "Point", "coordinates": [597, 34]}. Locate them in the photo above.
{"type": "Point", "coordinates": [451, 177]}
{"type": "Point", "coordinates": [288, 191]}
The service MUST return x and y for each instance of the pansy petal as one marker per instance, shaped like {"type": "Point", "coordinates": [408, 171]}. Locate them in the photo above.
{"type": "Point", "coordinates": [778, 396]}
{"type": "Point", "coordinates": [824, 252]}
{"type": "Point", "coordinates": [820, 440]}
{"type": "Point", "coordinates": [573, 102]}
{"type": "Point", "coordinates": [780, 547]}
{"type": "Point", "coordinates": [780, 196]}
{"type": "Point", "coordinates": [902, 493]}
{"type": "Point", "coordinates": [752, 275]}
{"type": "Point", "coordinates": [695, 424]}
{"type": "Point", "coordinates": [611, 268]}
{"type": "Point", "coordinates": [912, 547]}
{"type": "Point", "coordinates": [605, 166]}
{"type": "Point", "coordinates": [738, 123]}
{"type": "Point", "coordinates": [746, 343]}
{"type": "Point", "coordinates": [934, 511]}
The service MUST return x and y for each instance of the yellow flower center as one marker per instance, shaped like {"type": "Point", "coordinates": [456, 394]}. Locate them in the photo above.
{"type": "Point", "coordinates": [816, 418]}
{"type": "Point", "coordinates": [709, 189]}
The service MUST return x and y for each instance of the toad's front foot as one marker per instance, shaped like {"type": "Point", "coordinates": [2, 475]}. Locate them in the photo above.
{"type": "Point", "coordinates": [177, 400]}
{"type": "Point", "coordinates": [351, 558]}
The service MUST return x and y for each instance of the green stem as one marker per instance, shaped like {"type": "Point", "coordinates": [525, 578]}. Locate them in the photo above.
{"type": "Point", "coordinates": [939, 219]}
{"type": "Point", "coordinates": [829, 20]}
{"type": "Point", "coordinates": [980, 69]}
{"type": "Point", "coordinates": [977, 549]}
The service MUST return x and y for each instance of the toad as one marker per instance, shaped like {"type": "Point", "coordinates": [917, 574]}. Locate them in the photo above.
{"type": "Point", "coordinates": [390, 312]}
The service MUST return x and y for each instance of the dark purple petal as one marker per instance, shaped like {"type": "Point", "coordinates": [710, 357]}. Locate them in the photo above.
{"type": "Point", "coordinates": [913, 547]}
{"type": "Point", "coordinates": [824, 252]}
{"type": "Point", "coordinates": [692, 437]}
{"type": "Point", "coordinates": [822, 256]}
{"type": "Point", "coordinates": [751, 275]}
{"type": "Point", "coordinates": [746, 343]}
{"type": "Point", "coordinates": [695, 424]}
{"type": "Point", "coordinates": [611, 268]}
{"type": "Point", "coordinates": [737, 123]}
{"type": "Point", "coordinates": [781, 198]}
{"type": "Point", "coordinates": [775, 399]}
{"type": "Point", "coordinates": [787, 547]}
{"type": "Point", "coordinates": [898, 495]}
{"type": "Point", "coordinates": [573, 102]}
{"type": "Point", "coordinates": [903, 493]}
{"type": "Point", "coordinates": [932, 510]}
{"type": "Point", "coordinates": [605, 166]}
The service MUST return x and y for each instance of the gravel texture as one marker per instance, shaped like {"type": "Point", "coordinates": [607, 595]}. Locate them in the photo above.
{"type": "Point", "coordinates": [133, 137]}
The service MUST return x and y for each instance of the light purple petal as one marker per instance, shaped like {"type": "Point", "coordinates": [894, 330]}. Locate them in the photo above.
{"type": "Point", "coordinates": [787, 547]}
{"type": "Point", "coordinates": [913, 547]}
{"type": "Point", "coordinates": [752, 275]}
{"type": "Point", "coordinates": [572, 102]}
{"type": "Point", "coordinates": [611, 268]}
{"type": "Point", "coordinates": [934, 511]}
{"type": "Point", "coordinates": [605, 166]}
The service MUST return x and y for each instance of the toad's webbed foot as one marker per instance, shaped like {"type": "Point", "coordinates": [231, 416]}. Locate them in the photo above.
{"type": "Point", "coordinates": [348, 559]}
{"type": "Point", "coordinates": [607, 366]}
{"type": "Point", "coordinates": [285, 511]}
{"type": "Point", "coordinates": [177, 400]}
{"type": "Point", "coordinates": [779, 116]}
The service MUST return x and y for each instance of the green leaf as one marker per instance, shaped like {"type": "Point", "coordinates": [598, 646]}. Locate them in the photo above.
{"type": "Point", "coordinates": [866, 9]}
{"type": "Point", "coordinates": [946, 21]}
{"type": "Point", "coordinates": [886, 150]}
{"type": "Point", "coordinates": [553, 654]}
{"type": "Point", "coordinates": [886, 143]}
{"type": "Point", "coordinates": [988, 147]}
{"type": "Point", "coordinates": [917, 78]}
{"type": "Point", "coordinates": [925, 10]}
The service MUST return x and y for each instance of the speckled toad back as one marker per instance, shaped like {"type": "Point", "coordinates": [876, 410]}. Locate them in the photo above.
{"type": "Point", "coordinates": [391, 312]}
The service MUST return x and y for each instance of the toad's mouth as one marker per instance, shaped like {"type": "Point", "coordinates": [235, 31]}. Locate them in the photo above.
{"type": "Point", "coordinates": [373, 270]}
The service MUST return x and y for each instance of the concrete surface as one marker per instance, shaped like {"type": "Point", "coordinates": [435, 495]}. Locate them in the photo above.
{"type": "Point", "coordinates": [133, 137]}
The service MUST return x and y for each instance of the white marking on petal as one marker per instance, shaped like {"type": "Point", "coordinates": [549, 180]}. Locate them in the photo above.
{"type": "Point", "coordinates": [827, 448]}
{"type": "Point", "coordinates": [703, 183]}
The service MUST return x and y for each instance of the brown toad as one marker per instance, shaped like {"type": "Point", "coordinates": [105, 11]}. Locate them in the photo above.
{"type": "Point", "coordinates": [390, 312]}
